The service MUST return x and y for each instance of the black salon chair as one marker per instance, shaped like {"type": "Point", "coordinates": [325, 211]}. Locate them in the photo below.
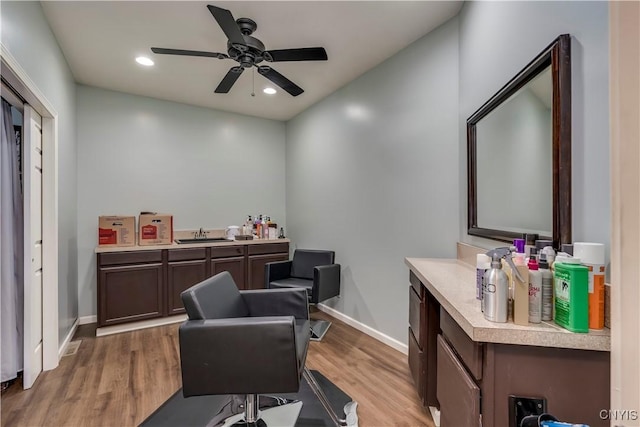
{"type": "Point", "coordinates": [313, 270]}
{"type": "Point", "coordinates": [244, 343]}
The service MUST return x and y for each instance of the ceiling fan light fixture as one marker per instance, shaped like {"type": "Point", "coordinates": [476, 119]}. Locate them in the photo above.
{"type": "Point", "coordinates": [269, 90]}
{"type": "Point", "coordinates": [143, 60]}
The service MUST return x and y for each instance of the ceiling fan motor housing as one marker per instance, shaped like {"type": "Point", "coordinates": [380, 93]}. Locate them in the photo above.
{"type": "Point", "coordinates": [252, 53]}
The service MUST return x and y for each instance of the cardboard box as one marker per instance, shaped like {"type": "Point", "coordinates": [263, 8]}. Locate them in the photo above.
{"type": "Point", "coordinates": [155, 229]}
{"type": "Point", "coordinates": [116, 230]}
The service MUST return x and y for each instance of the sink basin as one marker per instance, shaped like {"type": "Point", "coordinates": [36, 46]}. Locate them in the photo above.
{"type": "Point", "coordinates": [207, 240]}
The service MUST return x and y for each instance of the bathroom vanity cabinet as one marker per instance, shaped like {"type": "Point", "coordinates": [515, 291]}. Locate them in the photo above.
{"type": "Point", "coordinates": [424, 327]}
{"type": "Point", "coordinates": [474, 365]}
{"type": "Point", "coordinates": [144, 283]}
{"type": "Point", "coordinates": [231, 259]}
{"type": "Point", "coordinates": [130, 286]}
{"type": "Point", "coordinates": [258, 256]}
{"type": "Point", "coordinates": [185, 268]}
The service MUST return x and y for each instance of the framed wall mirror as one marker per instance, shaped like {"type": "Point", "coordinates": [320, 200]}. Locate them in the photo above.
{"type": "Point", "coordinates": [519, 153]}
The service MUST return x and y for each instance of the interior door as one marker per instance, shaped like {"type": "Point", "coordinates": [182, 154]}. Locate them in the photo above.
{"type": "Point", "coordinates": [32, 175]}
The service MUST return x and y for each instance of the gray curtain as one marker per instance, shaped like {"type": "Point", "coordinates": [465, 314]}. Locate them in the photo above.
{"type": "Point", "coordinates": [11, 252]}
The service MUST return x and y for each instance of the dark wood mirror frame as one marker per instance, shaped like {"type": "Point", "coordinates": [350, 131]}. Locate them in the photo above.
{"type": "Point", "coordinates": [558, 56]}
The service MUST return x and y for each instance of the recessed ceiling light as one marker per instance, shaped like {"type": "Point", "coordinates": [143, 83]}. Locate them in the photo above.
{"type": "Point", "coordinates": [269, 90]}
{"type": "Point", "coordinates": [143, 60]}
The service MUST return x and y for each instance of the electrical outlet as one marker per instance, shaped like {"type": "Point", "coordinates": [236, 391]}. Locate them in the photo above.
{"type": "Point", "coordinates": [520, 407]}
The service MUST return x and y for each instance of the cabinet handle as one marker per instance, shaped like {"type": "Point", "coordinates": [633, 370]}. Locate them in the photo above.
{"type": "Point", "coordinates": [480, 420]}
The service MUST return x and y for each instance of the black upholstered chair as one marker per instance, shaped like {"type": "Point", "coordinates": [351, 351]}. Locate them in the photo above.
{"type": "Point", "coordinates": [243, 342]}
{"type": "Point", "coordinates": [313, 270]}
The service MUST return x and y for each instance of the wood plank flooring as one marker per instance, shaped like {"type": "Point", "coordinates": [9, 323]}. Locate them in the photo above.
{"type": "Point", "coordinates": [119, 380]}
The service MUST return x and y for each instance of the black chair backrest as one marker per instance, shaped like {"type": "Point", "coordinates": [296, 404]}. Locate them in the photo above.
{"type": "Point", "coordinates": [214, 298]}
{"type": "Point", "coordinates": [305, 259]}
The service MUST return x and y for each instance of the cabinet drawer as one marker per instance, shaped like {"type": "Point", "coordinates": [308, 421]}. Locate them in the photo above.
{"type": "Point", "coordinates": [416, 316]}
{"type": "Point", "coordinates": [416, 365]}
{"type": "Point", "coordinates": [470, 351]}
{"type": "Point", "coordinates": [187, 254]}
{"type": "Point", "coordinates": [458, 394]}
{"type": "Point", "coordinates": [415, 283]}
{"type": "Point", "coordinates": [137, 257]}
{"type": "Point", "coordinates": [268, 248]}
{"type": "Point", "coordinates": [227, 251]}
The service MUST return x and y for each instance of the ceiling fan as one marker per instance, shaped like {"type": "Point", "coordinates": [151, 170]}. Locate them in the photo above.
{"type": "Point", "coordinates": [248, 51]}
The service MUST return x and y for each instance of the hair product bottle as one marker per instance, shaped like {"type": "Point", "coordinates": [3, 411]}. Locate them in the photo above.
{"type": "Point", "coordinates": [483, 263]}
{"type": "Point", "coordinates": [496, 288]}
{"type": "Point", "coordinates": [530, 243]}
{"type": "Point", "coordinates": [547, 288]}
{"type": "Point", "coordinates": [592, 256]}
{"type": "Point", "coordinates": [520, 291]}
{"type": "Point", "coordinates": [535, 290]}
{"type": "Point", "coordinates": [571, 290]}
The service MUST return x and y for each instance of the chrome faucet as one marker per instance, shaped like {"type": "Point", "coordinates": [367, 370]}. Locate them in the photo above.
{"type": "Point", "coordinates": [200, 234]}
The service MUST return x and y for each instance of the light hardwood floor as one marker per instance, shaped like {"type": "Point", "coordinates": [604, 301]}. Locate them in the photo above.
{"type": "Point", "coordinates": [119, 380]}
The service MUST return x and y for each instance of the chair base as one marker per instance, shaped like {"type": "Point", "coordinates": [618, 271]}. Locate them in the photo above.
{"type": "Point", "coordinates": [319, 329]}
{"type": "Point", "coordinates": [278, 416]}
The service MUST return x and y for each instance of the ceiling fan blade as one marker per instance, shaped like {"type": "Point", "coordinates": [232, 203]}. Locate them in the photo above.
{"type": "Point", "coordinates": [229, 79]}
{"type": "Point", "coordinates": [163, 51]}
{"type": "Point", "coordinates": [280, 80]}
{"type": "Point", "coordinates": [302, 54]}
{"type": "Point", "coordinates": [228, 24]}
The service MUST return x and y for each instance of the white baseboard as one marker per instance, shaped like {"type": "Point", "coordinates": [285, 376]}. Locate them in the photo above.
{"type": "Point", "coordinates": [85, 320]}
{"type": "Point", "coordinates": [142, 324]}
{"type": "Point", "coordinates": [68, 339]}
{"type": "Point", "coordinates": [435, 415]}
{"type": "Point", "coordinates": [385, 339]}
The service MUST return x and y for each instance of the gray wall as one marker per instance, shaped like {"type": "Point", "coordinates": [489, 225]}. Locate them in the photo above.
{"type": "Point", "coordinates": [26, 34]}
{"type": "Point", "coordinates": [208, 168]}
{"type": "Point", "coordinates": [497, 39]}
{"type": "Point", "coordinates": [372, 174]}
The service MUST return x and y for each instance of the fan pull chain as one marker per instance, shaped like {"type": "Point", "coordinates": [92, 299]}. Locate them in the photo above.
{"type": "Point", "coordinates": [253, 81]}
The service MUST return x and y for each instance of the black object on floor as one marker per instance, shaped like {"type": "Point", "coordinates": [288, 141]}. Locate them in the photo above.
{"type": "Point", "coordinates": [198, 411]}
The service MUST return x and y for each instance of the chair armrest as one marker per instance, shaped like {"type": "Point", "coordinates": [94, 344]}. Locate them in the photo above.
{"type": "Point", "coordinates": [276, 271]}
{"type": "Point", "coordinates": [239, 356]}
{"type": "Point", "coordinates": [277, 302]}
{"type": "Point", "coordinates": [326, 282]}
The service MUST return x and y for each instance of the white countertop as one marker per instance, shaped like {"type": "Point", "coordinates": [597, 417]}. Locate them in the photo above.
{"type": "Point", "coordinates": [452, 283]}
{"type": "Point", "coordinates": [174, 245]}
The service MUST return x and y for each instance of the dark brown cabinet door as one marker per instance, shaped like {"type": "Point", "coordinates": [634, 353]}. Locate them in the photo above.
{"type": "Point", "coordinates": [416, 366]}
{"type": "Point", "coordinates": [430, 332]}
{"type": "Point", "coordinates": [458, 394]}
{"type": "Point", "coordinates": [130, 293]}
{"type": "Point", "coordinates": [235, 266]}
{"type": "Point", "coordinates": [181, 276]}
{"type": "Point", "coordinates": [256, 268]}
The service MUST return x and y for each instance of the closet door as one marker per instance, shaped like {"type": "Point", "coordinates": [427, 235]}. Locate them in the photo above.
{"type": "Point", "coordinates": [32, 176]}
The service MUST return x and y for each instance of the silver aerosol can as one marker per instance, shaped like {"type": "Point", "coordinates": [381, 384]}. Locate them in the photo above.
{"type": "Point", "coordinates": [496, 286]}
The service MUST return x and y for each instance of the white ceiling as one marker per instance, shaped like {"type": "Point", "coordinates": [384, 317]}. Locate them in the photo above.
{"type": "Point", "coordinates": [101, 39]}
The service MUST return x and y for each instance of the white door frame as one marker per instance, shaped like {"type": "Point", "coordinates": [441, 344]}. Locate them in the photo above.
{"type": "Point", "coordinates": [13, 72]}
{"type": "Point", "coordinates": [624, 86]}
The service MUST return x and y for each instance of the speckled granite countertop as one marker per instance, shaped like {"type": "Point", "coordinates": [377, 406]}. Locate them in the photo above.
{"type": "Point", "coordinates": [452, 283]}
{"type": "Point", "coordinates": [174, 245]}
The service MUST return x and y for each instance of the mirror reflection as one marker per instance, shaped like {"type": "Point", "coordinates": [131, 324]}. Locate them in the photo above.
{"type": "Point", "coordinates": [514, 161]}
{"type": "Point", "coordinates": [519, 153]}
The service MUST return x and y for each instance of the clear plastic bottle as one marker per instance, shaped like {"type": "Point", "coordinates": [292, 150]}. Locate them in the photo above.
{"type": "Point", "coordinates": [247, 228]}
